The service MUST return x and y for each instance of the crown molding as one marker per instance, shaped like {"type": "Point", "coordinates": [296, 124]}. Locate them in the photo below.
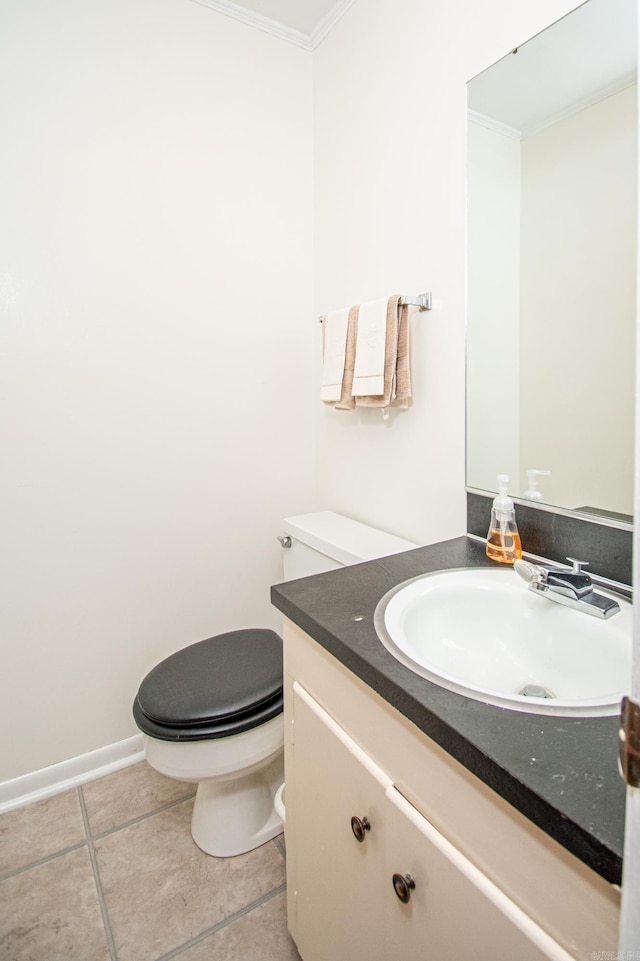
{"type": "Point", "coordinates": [603, 94]}
{"type": "Point", "coordinates": [530, 130]}
{"type": "Point", "coordinates": [482, 120]}
{"type": "Point", "coordinates": [328, 22]}
{"type": "Point", "coordinates": [277, 29]}
{"type": "Point", "coordinates": [265, 24]}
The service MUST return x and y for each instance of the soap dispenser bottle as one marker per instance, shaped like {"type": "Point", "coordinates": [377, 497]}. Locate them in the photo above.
{"type": "Point", "coordinates": [503, 540]}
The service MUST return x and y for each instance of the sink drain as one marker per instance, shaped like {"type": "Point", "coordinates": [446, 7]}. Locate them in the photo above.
{"type": "Point", "coordinates": [533, 690]}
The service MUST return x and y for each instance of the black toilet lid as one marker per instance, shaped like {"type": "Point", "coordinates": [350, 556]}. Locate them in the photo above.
{"type": "Point", "coordinates": [232, 681]}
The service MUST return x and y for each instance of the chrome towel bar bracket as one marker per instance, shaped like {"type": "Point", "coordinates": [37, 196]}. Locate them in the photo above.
{"type": "Point", "coordinates": [423, 301]}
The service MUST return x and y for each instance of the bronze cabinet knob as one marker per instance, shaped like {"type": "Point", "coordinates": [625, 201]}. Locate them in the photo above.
{"type": "Point", "coordinates": [403, 885]}
{"type": "Point", "coordinates": [360, 826]}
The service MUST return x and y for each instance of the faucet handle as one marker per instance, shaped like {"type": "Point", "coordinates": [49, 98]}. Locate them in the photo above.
{"type": "Point", "coordinates": [578, 565]}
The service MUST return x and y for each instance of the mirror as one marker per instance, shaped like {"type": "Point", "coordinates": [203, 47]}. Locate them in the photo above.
{"type": "Point", "coordinates": [551, 264]}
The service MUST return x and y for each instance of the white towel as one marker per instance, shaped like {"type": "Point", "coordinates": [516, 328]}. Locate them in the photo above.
{"type": "Point", "coordinates": [368, 375]}
{"type": "Point", "coordinates": [334, 344]}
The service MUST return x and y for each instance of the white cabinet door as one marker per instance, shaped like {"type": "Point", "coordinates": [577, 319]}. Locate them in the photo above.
{"type": "Point", "coordinates": [339, 881]}
{"type": "Point", "coordinates": [454, 912]}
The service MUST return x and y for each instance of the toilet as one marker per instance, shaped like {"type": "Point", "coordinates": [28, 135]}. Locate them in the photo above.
{"type": "Point", "coordinates": [212, 712]}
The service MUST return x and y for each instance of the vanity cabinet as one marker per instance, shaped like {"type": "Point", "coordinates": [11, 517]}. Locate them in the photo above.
{"type": "Point", "coordinates": [374, 878]}
{"type": "Point", "coordinates": [394, 852]}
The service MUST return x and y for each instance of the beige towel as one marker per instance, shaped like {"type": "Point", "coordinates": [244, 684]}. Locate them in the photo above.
{"type": "Point", "coordinates": [403, 363]}
{"type": "Point", "coordinates": [347, 400]}
{"type": "Point", "coordinates": [397, 379]}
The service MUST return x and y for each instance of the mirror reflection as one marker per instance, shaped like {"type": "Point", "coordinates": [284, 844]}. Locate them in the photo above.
{"type": "Point", "coordinates": [552, 175]}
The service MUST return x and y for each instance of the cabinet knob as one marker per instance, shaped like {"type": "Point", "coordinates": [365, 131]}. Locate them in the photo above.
{"type": "Point", "coordinates": [360, 826]}
{"type": "Point", "coordinates": [403, 885]}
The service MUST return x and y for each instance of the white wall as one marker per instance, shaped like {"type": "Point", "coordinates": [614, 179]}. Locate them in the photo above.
{"type": "Point", "coordinates": [390, 146]}
{"type": "Point", "coordinates": [155, 242]}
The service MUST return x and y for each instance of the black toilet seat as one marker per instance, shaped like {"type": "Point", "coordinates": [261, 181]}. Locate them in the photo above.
{"type": "Point", "coordinates": [223, 685]}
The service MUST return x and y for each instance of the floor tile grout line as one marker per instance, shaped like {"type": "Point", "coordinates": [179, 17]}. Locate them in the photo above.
{"type": "Point", "coordinates": [98, 883]}
{"type": "Point", "coordinates": [176, 952]}
{"type": "Point", "coordinates": [141, 817]}
{"type": "Point", "coordinates": [40, 861]}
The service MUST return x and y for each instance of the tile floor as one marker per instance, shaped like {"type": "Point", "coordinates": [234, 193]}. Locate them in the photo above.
{"type": "Point", "coordinates": [109, 872]}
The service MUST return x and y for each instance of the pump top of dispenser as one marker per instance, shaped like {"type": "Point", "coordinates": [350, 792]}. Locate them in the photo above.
{"type": "Point", "coordinates": [532, 493]}
{"type": "Point", "coordinates": [502, 504]}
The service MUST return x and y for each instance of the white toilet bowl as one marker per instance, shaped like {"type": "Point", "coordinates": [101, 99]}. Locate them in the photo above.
{"type": "Point", "coordinates": [237, 777]}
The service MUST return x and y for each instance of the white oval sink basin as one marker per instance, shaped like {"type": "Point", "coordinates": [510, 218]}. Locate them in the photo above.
{"type": "Point", "coordinates": [482, 633]}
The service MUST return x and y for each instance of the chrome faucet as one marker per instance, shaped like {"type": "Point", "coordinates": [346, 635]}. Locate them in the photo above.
{"type": "Point", "coordinates": [572, 588]}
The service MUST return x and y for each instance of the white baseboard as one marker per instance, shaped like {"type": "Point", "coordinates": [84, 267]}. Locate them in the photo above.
{"type": "Point", "coordinates": [67, 774]}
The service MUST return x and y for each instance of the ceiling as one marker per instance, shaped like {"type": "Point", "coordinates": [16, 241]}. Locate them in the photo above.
{"type": "Point", "coordinates": [303, 22]}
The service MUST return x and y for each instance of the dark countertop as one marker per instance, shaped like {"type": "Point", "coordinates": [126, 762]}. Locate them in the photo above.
{"type": "Point", "coordinates": [560, 772]}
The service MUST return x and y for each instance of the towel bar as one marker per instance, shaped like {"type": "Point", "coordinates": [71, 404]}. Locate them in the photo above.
{"type": "Point", "coordinates": [423, 301]}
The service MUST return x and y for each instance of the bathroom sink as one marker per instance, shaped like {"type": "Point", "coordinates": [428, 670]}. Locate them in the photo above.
{"type": "Point", "coordinates": [482, 633]}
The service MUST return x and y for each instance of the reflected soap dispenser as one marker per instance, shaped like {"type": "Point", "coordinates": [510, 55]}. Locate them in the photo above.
{"type": "Point", "coordinates": [532, 493]}
{"type": "Point", "coordinates": [503, 539]}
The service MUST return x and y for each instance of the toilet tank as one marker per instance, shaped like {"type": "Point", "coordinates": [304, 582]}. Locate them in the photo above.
{"type": "Point", "coordinates": [325, 541]}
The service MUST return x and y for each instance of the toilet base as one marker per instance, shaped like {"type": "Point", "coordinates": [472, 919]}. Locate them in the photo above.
{"type": "Point", "coordinates": [231, 817]}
